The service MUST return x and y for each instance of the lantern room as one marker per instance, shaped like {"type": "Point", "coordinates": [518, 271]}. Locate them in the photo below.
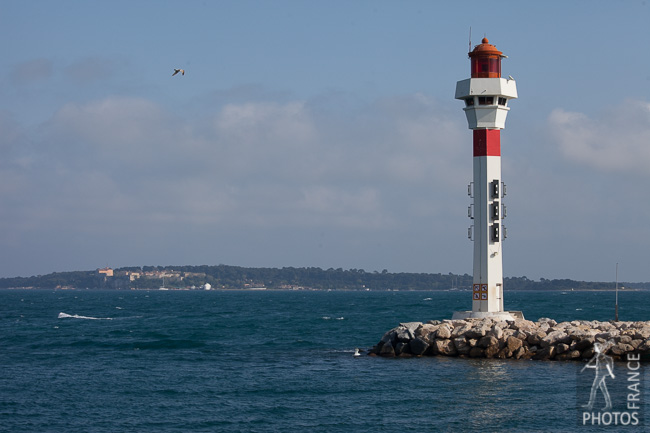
{"type": "Point", "coordinates": [486, 60]}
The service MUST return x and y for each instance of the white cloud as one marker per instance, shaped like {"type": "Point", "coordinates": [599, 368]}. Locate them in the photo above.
{"type": "Point", "coordinates": [260, 123]}
{"type": "Point", "coordinates": [127, 169]}
{"type": "Point", "coordinates": [615, 141]}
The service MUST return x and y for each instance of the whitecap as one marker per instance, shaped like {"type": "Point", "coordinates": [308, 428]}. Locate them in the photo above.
{"type": "Point", "coordinates": [428, 299]}
{"type": "Point", "coordinates": [326, 317]}
{"type": "Point", "coordinates": [76, 316]}
{"type": "Point", "coordinates": [340, 318]}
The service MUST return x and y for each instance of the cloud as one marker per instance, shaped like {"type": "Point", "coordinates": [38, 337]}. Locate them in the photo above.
{"type": "Point", "coordinates": [125, 169]}
{"type": "Point", "coordinates": [615, 141]}
{"type": "Point", "coordinates": [32, 71]}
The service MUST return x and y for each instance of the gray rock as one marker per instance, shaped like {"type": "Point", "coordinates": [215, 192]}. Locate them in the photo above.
{"type": "Point", "coordinates": [462, 346]}
{"type": "Point", "coordinates": [621, 348]}
{"type": "Point", "coordinates": [636, 343]}
{"type": "Point", "coordinates": [411, 326]}
{"type": "Point", "coordinates": [546, 320]}
{"type": "Point", "coordinates": [536, 338]}
{"type": "Point", "coordinates": [521, 334]}
{"type": "Point", "coordinates": [626, 339]}
{"type": "Point", "coordinates": [460, 330]}
{"type": "Point", "coordinates": [587, 353]}
{"type": "Point", "coordinates": [492, 350]}
{"type": "Point", "coordinates": [512, 344]}
{"type": "Point", "coordinates": [444, 331]}
{"type": "Point", "coordinates": [406, 331]}
{"type": "Point", "coordinates": [497, 331]}
{"type": "Point", "coordinates": [476, 352]}
{"type": "Point", "coordinates": [418, 346]}
{"type": "Point", "coordinates": [545, 353]}
{"type": "Point", "coordinates": [523, 324]}
{"type": "Point", "coordinates": [478, 331]}
{"type": "Point", "coordinates": [488, 340]}
{"type": "Point", "coordinates": [504, 353]}
{"type": "Point", "coordinates": [562, 347]}
{"type": "Point", "coordinates": [401, 347]}
{"type": "Point", "coordinates": [389, 337]}
{"type": "Point", "coordinates": [445, 347]}
{"type": "Point", "coordinates": [427, 332]}
{"type": "Point", "coordinates": [553, 338]}
{"type": "Point", "coordinates": [642, 334]}
{"type": "Point", "coordinates": [585, 343]}
{"type": "Point", "coordinates": [520, 353]}
{"type": "Point", "coordinates": [387, 350]}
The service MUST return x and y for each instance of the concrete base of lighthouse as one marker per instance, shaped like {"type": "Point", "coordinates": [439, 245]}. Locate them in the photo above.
{"type": "Point", "coordinates": [500, 315]}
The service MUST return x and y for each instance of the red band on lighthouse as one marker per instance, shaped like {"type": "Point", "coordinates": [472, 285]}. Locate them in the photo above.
{"type": "Point", "coordinates": [487, 142]}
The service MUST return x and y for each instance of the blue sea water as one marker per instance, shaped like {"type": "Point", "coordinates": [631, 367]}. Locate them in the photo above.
{"type": "Point", "coordinates": [271, 361]}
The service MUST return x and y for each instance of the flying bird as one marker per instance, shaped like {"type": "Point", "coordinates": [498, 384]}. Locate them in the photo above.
{"type": "Point", "coordinates": [176, 71]}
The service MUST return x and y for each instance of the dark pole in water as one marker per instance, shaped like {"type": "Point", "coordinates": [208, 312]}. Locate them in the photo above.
{"type": "Point", "coordinates": [616, 316]}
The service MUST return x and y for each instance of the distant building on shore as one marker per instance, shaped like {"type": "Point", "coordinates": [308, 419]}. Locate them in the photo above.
{"type": "Point", "coordinates": [107, 272]}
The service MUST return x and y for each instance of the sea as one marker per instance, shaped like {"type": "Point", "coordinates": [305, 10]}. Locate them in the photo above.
{"type": "Point", "coordinates": [277, 361]}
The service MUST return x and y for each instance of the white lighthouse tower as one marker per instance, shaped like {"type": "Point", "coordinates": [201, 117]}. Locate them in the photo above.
{"type": "Point", "coordinates": [486, 96]}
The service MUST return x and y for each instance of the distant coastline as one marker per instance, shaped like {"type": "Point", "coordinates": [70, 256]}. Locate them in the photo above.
{"type": "Point", "coordinates": [226, 277]}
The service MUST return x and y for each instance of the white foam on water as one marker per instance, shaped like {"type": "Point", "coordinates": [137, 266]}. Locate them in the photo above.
{"type": "Point", "coordinates": [76, 316]}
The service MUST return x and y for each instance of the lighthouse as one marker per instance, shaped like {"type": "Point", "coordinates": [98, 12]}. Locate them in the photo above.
{"type": "Point", "coordinates": [486, 96]}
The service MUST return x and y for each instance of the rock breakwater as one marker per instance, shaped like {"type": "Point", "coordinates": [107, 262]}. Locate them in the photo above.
{"type": "Point", "coordinates": [545, 339]}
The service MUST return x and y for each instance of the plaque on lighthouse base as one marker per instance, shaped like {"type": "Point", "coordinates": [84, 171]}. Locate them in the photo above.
{"type": "Point", "coordinates": [498, 315]}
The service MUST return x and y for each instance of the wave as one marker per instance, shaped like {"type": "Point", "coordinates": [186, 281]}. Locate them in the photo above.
{"type": "Point", "coordinates": [76, 316]}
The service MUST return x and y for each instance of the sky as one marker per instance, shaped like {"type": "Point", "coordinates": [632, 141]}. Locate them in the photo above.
{"type": "Point", "coordinates": [318, 133]}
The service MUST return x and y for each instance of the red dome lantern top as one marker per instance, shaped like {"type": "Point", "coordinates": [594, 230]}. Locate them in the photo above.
{"type": "Point", "coordinates": [486, 60]}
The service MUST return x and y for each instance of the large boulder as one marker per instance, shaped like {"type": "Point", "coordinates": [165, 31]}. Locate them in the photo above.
{"type": "Point", "coordinates": [402, 348]}
{"type": "Point", "coordinates": [427, 332]}
{"type": "Point", "coordinates": [387, 350]}
{"type": "Point", "coordinates": [444, 331]}
{"type": "Point", "coordinates": [492, 350]}
{"type": "Point", "coordinates": [620, 349]}
{"type": "Point", "coordinates": [536, 338]}
{"type": "Point", "coordinates": [479, 330]}
{"type": "Point", "coordinates": [460, 331]}
{"type": "Point", "coordinates": [406, 331]}
{"type": "Point", "coordinates": [445, 347]}
{"type": "Point", "coordinates": [476, 352]}
{"type": "Point", "coordinates": [512, 344]}
{"type": "Point", "coordinates": [545, 353]}
{"type": "Point", "coordinates": [462, 346]}
{"type": "Point", "coordinates": [553, 338]}
{"type": "Point", "coordinates": [488, 340]}
{"type": "Point", "coordinates": [418, 346]}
